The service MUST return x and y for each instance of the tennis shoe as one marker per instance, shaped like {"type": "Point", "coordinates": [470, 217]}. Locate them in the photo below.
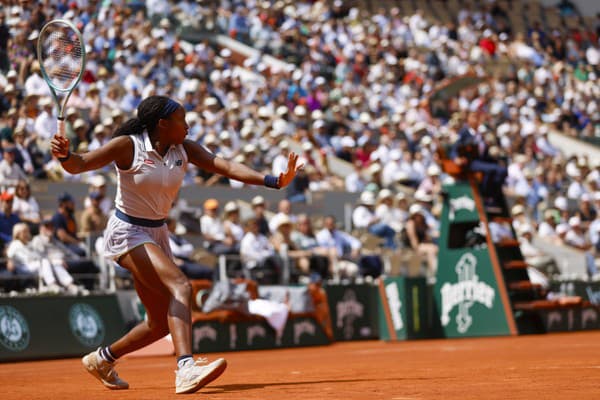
{"type": "Point", "coordinates": [103, 371]}
{"type": "Point", "coordinates": [190, 378]}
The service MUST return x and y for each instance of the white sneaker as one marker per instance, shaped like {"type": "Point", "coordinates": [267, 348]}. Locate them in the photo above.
{"type": "Point", "coordinates": [193, 377]}
{"type": "Point", "coordinates": [103, 371]}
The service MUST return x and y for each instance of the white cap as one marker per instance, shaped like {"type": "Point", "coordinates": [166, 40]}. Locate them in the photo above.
{"type": "Point", "coordinates": [97, 180]}
{"type": "Point", "coordinates": [414, 209]}
{"type": "Point", "coordinates": [300, 111]}
{"type": "Point", "coordinates": [264, 112]}
{"type": "Point", "coordinates": [280, 220]}
{"type": "Point", "coordinates": [364, 118]}
{"type": "Point", "coordinates": [574, 221]}
{"type": "Point", "coordinates": [224, 135]}
{"type": "Point", "coordinates": [395, 155]}
{"type": "Point", "coordinates": [318, 124]}
{"type": "Point", "coordinates": [210, 101]}
{"type": "Point", "coordinates": [307, 146]}
{"type": "Point", "coordinates": [258, 200]}
{"type": "Point", "coordinates": [347, 141]}
{"type": "Point", "coordinates": [517, 209]}
{"type": "Point", "coordinates": [433, 170]}
{"type": "Point", "coordinates": [210, 139]}
{"type": "Point", "coordinates": [79, 123]}
{"type": "Point", "coordinates": [561, 203]}
{"type": "Point", "coordinates": [367, 198]}
{"type": "Point", "coordinates": [421, 195]}
{"type": "Point", "coordinates": [562, 228]}
{"type": "Point", "coordinates": [281, 110]}
{"type": "Point", "coordinates": [230, 206]}
{"type": "Point", "coordinates": [384, 194]}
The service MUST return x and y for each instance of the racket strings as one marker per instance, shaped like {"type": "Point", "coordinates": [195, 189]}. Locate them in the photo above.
{"type": "Point", "coordinates": [62, 58]}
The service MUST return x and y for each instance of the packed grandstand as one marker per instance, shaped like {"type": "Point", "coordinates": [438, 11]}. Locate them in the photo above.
{"type": "Point", "coordinates": [368, 92]}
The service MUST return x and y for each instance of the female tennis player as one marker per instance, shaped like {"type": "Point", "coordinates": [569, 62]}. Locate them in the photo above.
{"type": "Point", "coordinates": [151, 154]}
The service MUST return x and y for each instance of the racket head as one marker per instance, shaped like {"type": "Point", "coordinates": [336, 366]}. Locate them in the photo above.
{"type": "Point", "coordinates": [61, 54]}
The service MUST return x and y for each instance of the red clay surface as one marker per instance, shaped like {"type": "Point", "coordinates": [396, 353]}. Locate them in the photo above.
{"type": "Point", "coordinates": [555, 366]}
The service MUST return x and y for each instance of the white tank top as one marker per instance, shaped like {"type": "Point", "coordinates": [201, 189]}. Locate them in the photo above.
{"type": "Point", "coordinates": [149, 188]}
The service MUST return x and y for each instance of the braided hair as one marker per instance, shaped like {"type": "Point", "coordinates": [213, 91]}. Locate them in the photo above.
{"type": "Point", "coordinates": [149, 112]}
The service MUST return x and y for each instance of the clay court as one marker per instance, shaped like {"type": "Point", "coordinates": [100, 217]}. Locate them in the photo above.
{"type": "Point", "coordinates": [553, 366]}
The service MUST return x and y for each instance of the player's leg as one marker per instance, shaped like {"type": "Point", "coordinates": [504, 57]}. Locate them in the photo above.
{"type": "Point", "coordinates": [155, 299]}
{"type": "Point", "coordinates": [154, 269]}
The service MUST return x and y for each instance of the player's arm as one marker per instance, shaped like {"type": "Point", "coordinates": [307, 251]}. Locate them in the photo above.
{"type": "Point", "coordinates": [204, 159]}
{"type": "Point", "coordinates": [119, 150]}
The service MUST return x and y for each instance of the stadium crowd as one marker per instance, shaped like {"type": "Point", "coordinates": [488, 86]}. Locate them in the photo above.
{"type": "Point", "coordinates": [350, 85]}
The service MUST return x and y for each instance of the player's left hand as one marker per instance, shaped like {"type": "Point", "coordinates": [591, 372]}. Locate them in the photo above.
{"type": "Point", "coordinates": [286, 177]}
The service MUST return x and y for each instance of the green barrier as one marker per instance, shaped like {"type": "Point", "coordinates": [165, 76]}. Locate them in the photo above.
{"type": "Point", "coordinates": [589, 291]}
{"type": "Point", "coordinates": [467, 298]}
{"type": "Point", "coordinates": [56, 327]}
{"type": "Point", "coordinates": [213, 336]}
{"type": "Point", "coordinates": [403, 311]}
{"type": "Point", "coordinates": [570, 319]}
{"type": "Point", "coordinates": [353, 309]}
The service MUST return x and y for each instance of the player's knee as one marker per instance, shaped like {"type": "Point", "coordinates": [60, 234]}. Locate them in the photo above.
{"type": "Point", "coordinates": [183, 289]}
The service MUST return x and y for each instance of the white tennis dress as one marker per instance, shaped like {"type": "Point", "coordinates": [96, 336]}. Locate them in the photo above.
{"type": "Point", "coordinates": [145, 194]}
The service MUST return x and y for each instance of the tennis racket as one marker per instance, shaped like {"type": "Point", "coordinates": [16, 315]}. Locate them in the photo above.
{"type": "Point", "coordinates": [61, 54]}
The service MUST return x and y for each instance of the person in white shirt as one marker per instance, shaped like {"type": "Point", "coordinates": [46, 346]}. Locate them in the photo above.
{"type": "Point", "coordinates": [257, 253]}
{"type": "Point", "coordinates": [364, 217]}
{"type": "Point", "coordinates": [24, 204]}
{"type": "Point", "coordinates": [284, 209]}
{"type": "Point", "coordinates": [10, 171]}
{"type": "Point", "coordinates": [45, 123]}
{"type": "Point", "coordinates": [23, 259]}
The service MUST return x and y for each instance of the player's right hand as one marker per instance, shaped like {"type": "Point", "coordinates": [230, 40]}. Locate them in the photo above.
{"type": "Point", "coordinates": [59, 146]}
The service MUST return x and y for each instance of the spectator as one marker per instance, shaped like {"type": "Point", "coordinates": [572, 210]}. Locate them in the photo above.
{"type": "Point", "coordinates": [348, 258]}
{"type": "Point", "coordinates": [93, 219]}
{"type": "Point", "coordinates": [8, 219]}
{"type": "Point", "coordinates": [25, 205]}
{"type": "Point", "coordinates": [10, 171]}
{"type": "Point", "coordinates": [416, 236]}
{"type": "Point", "coordinates": [98, 185]}
{"type": "Point", "coordinates": [258, 207]}
{"type": "Point", "coordinates": [183, 252]}
{"type": "Point", "coordinates": [364, 217]}
{"type": "Point", "coordinates": [23, 259]}
{"type": "Point", "coordinates": [533, 256]}
{"type": "Point", "coordinates": [284, 210]}
{"type": "Point", "coordinates": [66, 226]}
{"type": "Point", "coordinates": [258, 255]}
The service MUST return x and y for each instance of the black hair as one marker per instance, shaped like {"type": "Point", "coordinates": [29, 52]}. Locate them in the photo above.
{"type": "Point", "coordinates": [148, 114]}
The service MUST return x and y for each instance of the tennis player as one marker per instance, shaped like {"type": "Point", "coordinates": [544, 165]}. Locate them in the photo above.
{"type": "Point", "coordinates": [151, 154]}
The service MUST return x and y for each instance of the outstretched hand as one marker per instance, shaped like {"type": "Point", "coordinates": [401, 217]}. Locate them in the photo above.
{"type": "Point", "coordinates": [286, 177]}
{"type": "Point", "coordinates": [60, 146]}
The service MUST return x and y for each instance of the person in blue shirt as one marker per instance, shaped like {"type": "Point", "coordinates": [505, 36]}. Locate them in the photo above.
{"type": "Point", "coordinates": [7, 218]}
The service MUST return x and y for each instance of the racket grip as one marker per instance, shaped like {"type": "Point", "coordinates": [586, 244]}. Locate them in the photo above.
{"type": "Point", "coordinates": [61, 127]}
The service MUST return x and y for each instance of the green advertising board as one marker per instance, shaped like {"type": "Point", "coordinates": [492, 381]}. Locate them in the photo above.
{"type": "Point", "coordinates": [353, 309]}
{"type": "Point", "coordinates": [403, 311]}
{"type": "Point", "coordinates": [467, 298]}
{"type": "Point", "coordinates": [213, 336]}
{"type": "Point", "coordinates": [55, 327]}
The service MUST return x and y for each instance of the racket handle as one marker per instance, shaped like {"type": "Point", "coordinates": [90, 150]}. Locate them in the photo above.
{"type": "Point", "coordinates": [61, 127]}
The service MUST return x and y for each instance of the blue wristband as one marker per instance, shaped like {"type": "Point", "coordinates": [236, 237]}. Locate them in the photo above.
{"type": "Point", "coordinates": [271, 181]}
